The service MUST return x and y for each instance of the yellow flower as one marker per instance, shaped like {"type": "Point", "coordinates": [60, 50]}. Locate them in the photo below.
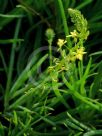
{"type": "Point", "coordinates": [74, 34]}
{"type": "Point", "coordinates": [61, 42]}
{"type": "Point", "coordinates": [79, 53]}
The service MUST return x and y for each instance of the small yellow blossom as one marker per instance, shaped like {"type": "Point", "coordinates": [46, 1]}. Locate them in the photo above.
{"type": "Point", "coordinates": [74, 34]}
{"type": "Point", "coordinates": [61, 42]}
{"type": "Point", "coordinates": [79, 53]}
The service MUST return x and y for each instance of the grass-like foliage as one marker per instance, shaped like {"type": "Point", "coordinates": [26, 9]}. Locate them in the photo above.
{"type": "Point", "coordinates": [50, 68]}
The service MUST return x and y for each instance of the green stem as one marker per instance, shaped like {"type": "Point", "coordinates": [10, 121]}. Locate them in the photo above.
{"type": "Point", "coordinates": [66, 29]}
{"type": "Point", "coordinates": [50, 53]}
{"type": "Point", "coordinates": [11, 65]}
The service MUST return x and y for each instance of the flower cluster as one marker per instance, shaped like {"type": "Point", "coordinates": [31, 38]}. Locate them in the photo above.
{"type": "Point", "coordinates": [50, 35]}
{"type": "Point", "coordinates": [68, 55]}
{"type": "Point", "coordinates": [75, 52]}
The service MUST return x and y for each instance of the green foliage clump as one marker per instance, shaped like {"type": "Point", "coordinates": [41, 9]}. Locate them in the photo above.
{"type": "Point", "coordinates": [52, 90]}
